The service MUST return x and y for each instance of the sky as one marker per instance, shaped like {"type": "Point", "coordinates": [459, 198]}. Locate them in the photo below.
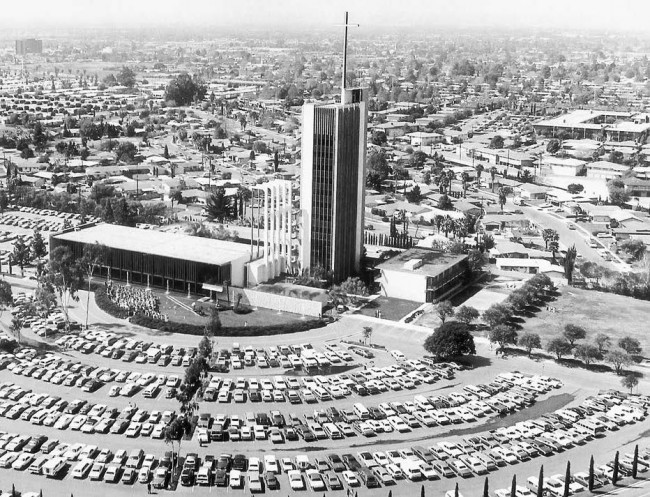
{"type": "Point", "coordinates": [614, 15]}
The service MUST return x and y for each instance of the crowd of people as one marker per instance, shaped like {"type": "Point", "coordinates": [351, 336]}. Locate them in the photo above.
{"type": "Point", "coordinates": [135, 300]}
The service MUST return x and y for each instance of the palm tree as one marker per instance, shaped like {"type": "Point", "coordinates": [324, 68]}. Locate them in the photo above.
{"type": "Point", "coordinates": [493, 173]}
{"type": "Point", "coordinates": [502, 197]}
{"type": "Point", "coordinates": [448, 225]}
{"type": "Point", "coordinates": [465, 179]}
{"type": "Point", "coordinates": [438, 220]}
{"type": "Point", "coordinates": [479, 170]}
{"type": "Point", "coordinates": [450, 176]}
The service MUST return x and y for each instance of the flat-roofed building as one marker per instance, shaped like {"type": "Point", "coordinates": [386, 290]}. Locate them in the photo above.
{"type": "Point", "coordinates": [603, 169]}
{"type": "Point", "coordinates": [423, 275]}
{"type": "Point", "coordinates": [595, 124]}
{"type": "Point", "coordinates": [160, 258]}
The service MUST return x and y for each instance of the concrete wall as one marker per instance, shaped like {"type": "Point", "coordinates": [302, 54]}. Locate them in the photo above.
{"type": "Point", "coordinates": [282, 303]}
{"type": "Point", "coordinates": [403, 285]}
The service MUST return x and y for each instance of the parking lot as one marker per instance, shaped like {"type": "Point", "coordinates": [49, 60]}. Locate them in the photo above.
{"type": "Point", "coordinates": [469, 412]}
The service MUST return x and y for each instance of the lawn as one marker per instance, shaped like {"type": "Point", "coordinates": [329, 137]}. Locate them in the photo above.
{"type": "Point", "coordinates": [597, 312]}
{"type": "Point", "coordinates": [391, 309]}
{"type": "Point", "coordinates": [256, 317]}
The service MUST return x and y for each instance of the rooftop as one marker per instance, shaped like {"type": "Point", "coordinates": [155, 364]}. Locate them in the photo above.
{"type": "Point", "coordinates": [162, 244]}
{"type": "Point", "coordinates": [433, 262]}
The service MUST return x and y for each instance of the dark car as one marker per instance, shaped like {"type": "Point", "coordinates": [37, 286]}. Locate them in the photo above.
{"type": "Point", "coordinates": [336, 462]}
{"type": "Point", "coordinates": [187, 477]}
{"type": "Point", "coordinates": [271, 481]}
{"type": "Point", "coordinates": [254, 396]}
{"type": "Point", "coordinates": [240, 462]}
{"type": "Point", "coordinates": [35, 444]}
{"type": "Point", "coordinates": [291, 435]}
{"type": "Point", "coordinates": [350, 462]}
{"type": "Point", "coordinates": [221, 480]}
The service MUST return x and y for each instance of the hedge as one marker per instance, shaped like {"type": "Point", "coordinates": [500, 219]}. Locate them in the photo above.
{"type": "Point", "coordinates": [227, 331]}
{"type": "Point", "coordinates": [104, 302]}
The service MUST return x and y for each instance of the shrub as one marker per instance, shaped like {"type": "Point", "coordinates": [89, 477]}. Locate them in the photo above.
{"type": "Point", "coordinates": [107, 305]}
{"type": "Point", "coordinates": [241, 331]}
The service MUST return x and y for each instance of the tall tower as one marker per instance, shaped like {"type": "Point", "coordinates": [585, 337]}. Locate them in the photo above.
{"type": "Point", "coordinates": [333, 181]}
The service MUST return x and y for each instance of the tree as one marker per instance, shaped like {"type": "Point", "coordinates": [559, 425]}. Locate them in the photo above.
{"type": "Point", "coordinates": [496, 141]}
{"type": "Point", "coordinates": [184, 89]}
{"type": "Point", "coordinates": [591, 474]}
{"type": "Point", "coordinates": [530, 341]}
{"type": "Point", "coordinates": [166, 152]}
{"type": "Point", "coordinates": [617, 193]}
{"type": "Point", "coordinates": [451, 339]}
{"type": "Point", "coordinates": [615, 470]}
{"type": "Point", "coordinates": [379, 138]}
{"type": "Point", "coordinates": [540, 482]}
{"type": "Point", "coordinates": [214, 324]}
{"type": "Point", "coordinates": [503, 335]}
{"type": "Point", "coordinates": [630, 345]}
{"type": "Point", "coordinates": [569, 262]}
{"type": "Point", "coordinates": [493, 175]}
{"type": "Point", "coordinates": [126, 152]}
{"type": "Point", "coordinates": [466, 314]}
{"type": "Point", "coordinates": [486, 488]}
{"type": "Point", "coordinates": [126, 77]}
{"type": "Point", "coordinates": [634, 248]}
{"type": "Point", "coordinates": [603, 342]}
{"type": "Point", "coordinates": [574, 332]}
{"type": "Point", "coordinates": [553, 146]}
{"type": "Point", "coordinates": [415, 195]}
{"type": "Point", "coordinates": [367, 333]}
{"type": "Point", "coordinates": [6, 297]}
{"type": "Point", "coordinates": [618, 359]}
{"type": "Point", "coordinates": [549, 235]}
{"type": "Point", "coordinates": [513, 486]}
{"type": "Point", "coordinates": [558, 347]}
{"type": "Point", "coordinates": [417, 159]}
{"type": "Point", "coordinates": [445, 203]}
{"type": "Point", "coordinates": [349, 291]}
{"type": "Point", "coordinates": [16, 327]}
{"type": "Point", "coordinates": [586, 352]}
{"type": "Point", "coordinates": [567, 479]}
{"type": "Point", "coordinates": [174, 433]}
{"type": "Point", "coordinates": [456, 491]}
{"type": "Point", "coordinates": [503, 198]}
{"type": "Point", "coordinates": [444, 310]}
{"type": "Point", "coordinates": [93, 256]}
{"type": "Point", "coordinates": [629, 381]}
{"type": "Point", "coordinates": [488, 242]}
{"type": "Point", "coordinates": [378, 169]}
{"type": "Point", "coordinates": [21, 255]}
{"type": "Point", "coordinates": [497, 314]}
{"type": "Point", "coordinates": [218, 206]}
{"type": "Point", "coordinates": [575, 188]}
{"type": "Point", "coordinates": [177, 197]}
{"type": "Point", "coordinates": [635, 459]}
{"type": "Point", "coordinates": [39, 138]}
{"type": "Point", "coordinates": [38, 247]}
{"type": "Point", "coordinates": [64, 275]}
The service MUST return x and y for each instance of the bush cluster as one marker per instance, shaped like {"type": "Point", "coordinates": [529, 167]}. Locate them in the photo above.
{"type": "Point", "coordinates": [232, 331]}
{"type": "Point", "coordinates": [104, 302]}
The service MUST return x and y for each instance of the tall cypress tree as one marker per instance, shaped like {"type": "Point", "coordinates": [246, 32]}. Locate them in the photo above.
{"type": "Point", "coordinates": [513, 488]}
{"type": "Point", "coordinates": [456, 492]}
{"type": "Point", "coordinates": [615, 472]}
{"type": "Point", "coordinates": [635, 462]}
{"type": "Point", "coordinates": [591, 474]}
{"type": "Point", "coordinates": [486, 488]}
{"type": "Point", "coordinates": [567, 479]}
{"type": "Point", "coordinates": [540, 482]}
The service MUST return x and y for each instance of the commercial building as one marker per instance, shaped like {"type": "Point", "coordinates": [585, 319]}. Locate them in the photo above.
{"type": "Point", "coordinates": [423, 275]}
{"type": "Point", "coordinates": [562, 166]}
{"type": "Point", "coordinates": [332, 184]}
{"type": "Point", "coordinates": [160, 259]}
{"type": "Point", "coordinates": [598, 124]}
{"type": "Point", "coordinates": [29, 45]}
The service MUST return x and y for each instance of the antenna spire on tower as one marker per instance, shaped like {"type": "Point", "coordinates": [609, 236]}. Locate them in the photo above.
{"type": "Point", "coordinates": [345, 54]}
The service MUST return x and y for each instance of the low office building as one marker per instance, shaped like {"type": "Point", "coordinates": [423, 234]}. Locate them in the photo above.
{"type": "Point", "coordinates": [160, 259]}
{"type": "Point", "coordinates": [423, 275]}
{"type": "Point", "coordinates": [562, 166]}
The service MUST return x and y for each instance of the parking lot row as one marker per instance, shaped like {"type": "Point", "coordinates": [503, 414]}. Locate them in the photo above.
{"type": "Point", "coordinates": [472, 456]}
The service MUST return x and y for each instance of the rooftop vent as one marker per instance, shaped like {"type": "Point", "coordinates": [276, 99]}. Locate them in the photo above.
{"type": "Point", "coordinates": [413, 264]}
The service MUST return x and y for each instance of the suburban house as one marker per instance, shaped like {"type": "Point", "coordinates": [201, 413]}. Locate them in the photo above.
{"type": "Point", "coordinates": [562, 166]}
{"type": "Point", "coordinates": [529, 191]}
{"type": "Point", "coordinates": [606, 170]}
{"type": "Point", "coordinates": [499, 222]}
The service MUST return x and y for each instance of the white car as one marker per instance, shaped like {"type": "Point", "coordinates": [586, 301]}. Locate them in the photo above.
{"type": "Point", "coordinates": [397, 355]}
{"type": "Point", "coordinates": [295, 480]}
{"type": "Point", "coordinates": [315, 480]}
{"type": "Point", "coordinates": [350, 478]}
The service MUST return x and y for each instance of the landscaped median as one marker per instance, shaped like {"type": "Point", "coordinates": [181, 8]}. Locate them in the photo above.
{"type": "Point", "coordinates": [228, 331]}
